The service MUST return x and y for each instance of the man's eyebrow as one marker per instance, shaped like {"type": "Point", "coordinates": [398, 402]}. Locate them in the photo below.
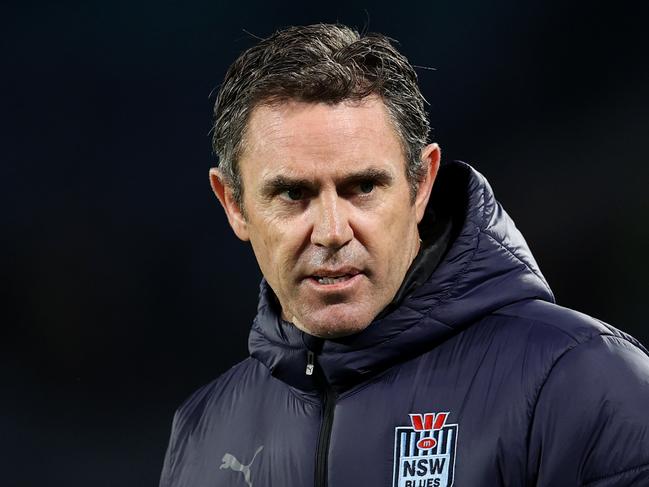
{"type": "Point", "coordinates": [374, 174]}
{"type": "Point", "coordinates": [280, 183]}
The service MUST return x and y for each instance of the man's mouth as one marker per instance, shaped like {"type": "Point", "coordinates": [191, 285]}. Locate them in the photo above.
{"type": "Point", "coordinates": [332, 280]}
{"type": "Point", "coordinates": [334, 277]}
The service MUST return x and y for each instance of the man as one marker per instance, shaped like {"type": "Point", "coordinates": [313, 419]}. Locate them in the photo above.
{"type": "Point", "coordinates": [405, 336]}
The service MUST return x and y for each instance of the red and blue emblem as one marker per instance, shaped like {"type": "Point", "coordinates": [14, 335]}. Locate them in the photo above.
{"type": "Point", "coordinates": [424, 452]}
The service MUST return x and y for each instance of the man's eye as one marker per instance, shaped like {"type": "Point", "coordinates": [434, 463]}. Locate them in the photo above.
{"type": "Point", "coordinates": [294, 194]}
{"type": "Point", "coordinates": [366, 186]}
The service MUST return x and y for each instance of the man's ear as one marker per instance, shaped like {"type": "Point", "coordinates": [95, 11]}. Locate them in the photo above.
{"type": "Point", "coordinates": [223, 192]}
{"type": "Point", "coordinates": [431, 156]}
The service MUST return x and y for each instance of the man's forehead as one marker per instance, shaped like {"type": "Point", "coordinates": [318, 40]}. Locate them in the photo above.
{"type": "Point", "coordinates": [307, 140]}
{"type": "Point", "coordinates": [294, 123]}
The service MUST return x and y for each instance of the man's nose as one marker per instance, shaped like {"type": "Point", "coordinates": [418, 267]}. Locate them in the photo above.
{"type": "Point", "coordinates": [331, 226]}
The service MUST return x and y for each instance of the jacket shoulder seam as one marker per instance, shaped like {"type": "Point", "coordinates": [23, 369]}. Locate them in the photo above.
{"type": "Point", "coordinates": [536, 320]}
{"type": "Point", "coordinates": [576, 341]}
{"type": "Point", "coordinates": [607, 330]}
{"type": "Point", "coordinates": [569, 349]}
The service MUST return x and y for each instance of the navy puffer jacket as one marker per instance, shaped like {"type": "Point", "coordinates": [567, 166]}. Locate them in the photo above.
{"type": "Point", "coordinates": [476, 378]}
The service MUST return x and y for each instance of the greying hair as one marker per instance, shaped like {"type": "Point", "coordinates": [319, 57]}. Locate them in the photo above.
{"type": "Point", "coordinates": [319, 63]}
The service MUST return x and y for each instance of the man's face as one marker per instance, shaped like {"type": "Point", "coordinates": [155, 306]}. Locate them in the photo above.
{"type": "Point", "coordinates": [328, 210]}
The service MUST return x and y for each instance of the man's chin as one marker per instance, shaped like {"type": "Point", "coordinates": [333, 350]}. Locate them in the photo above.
{"type": "Point", "coordinates": [333, 322]}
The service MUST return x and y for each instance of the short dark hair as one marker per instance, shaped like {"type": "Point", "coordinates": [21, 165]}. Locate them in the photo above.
{"type": "Point", "coordinates": [327, 63]}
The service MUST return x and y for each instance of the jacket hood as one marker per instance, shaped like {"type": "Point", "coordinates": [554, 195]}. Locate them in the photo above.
{"type": "Point", "coordinates": [488, 265]}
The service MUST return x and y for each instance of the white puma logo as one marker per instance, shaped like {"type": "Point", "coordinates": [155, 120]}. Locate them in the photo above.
{"type": "Point", "coordinates": [230, 461]}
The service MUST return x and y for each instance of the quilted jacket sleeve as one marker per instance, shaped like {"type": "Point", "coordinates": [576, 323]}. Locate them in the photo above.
{"type": "Point", "coordinates": [590, 425]}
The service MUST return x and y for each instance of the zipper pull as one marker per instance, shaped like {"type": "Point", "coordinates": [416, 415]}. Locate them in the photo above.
{"type": "Point", "coordinates": [310, 362]}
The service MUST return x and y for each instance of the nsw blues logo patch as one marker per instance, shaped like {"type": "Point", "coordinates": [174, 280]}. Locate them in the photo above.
{"type": "Point", "coordinates": [424, 452]}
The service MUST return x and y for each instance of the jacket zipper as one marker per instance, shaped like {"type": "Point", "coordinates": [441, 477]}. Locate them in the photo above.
{"type": "Point", "coordinates": [328, 406]}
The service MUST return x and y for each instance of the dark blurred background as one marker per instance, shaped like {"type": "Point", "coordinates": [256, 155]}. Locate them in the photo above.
{"type": "Point", "coordinates": [125, 290]}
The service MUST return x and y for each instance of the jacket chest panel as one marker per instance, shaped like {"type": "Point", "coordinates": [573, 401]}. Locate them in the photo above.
{"type": "Point", "coordinates": [254, 441]}
{"type": "Point", "coordinates": [405, 432]}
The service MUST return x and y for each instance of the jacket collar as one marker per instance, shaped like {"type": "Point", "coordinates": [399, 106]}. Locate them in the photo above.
{"type": "Point", "coordinates": [486, 266]}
